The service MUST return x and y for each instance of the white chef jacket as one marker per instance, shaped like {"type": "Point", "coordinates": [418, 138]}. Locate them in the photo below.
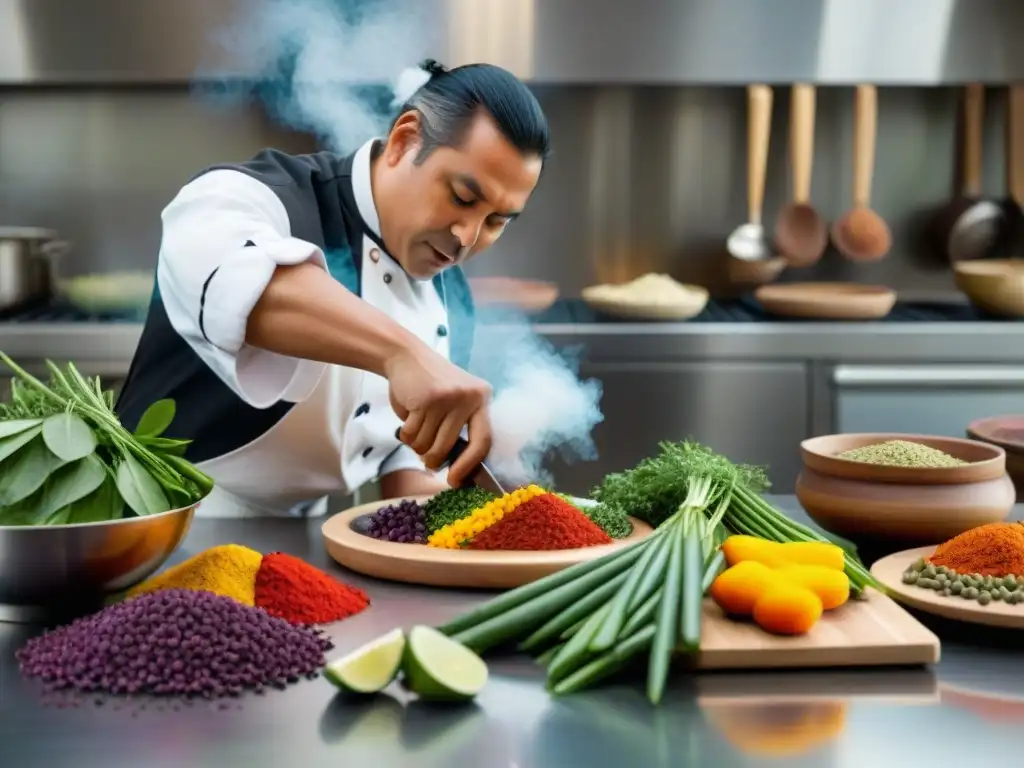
{"type": "Point", "coordinates": [334, 429]}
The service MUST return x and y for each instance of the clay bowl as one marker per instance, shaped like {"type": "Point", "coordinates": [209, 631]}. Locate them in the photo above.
{"type": "Point", "coordinates": [529, 296]}
{"type": "Point", "coordinates": [905, 505]}
{"type": "Point", "coordinates": [994, 285]}
{"type": "Point", "coordinates": [1008, 433]}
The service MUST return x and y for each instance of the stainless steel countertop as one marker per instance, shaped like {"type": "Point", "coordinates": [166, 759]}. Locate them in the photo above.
{"type": "Point", "coordinates": [108, 347]}
{"type": "Point", "coordinates": [892, 717]}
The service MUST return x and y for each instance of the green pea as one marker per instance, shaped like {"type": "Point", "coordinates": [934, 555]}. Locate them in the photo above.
{"type": "Point", "coordinates": [946, 592]}
{"type": "Point", "coordinates": [942, 578]}
{"type": "Point", "coordinates": [929, 571]}
{"type": "Point", "coordinates": [971, 593]}
{"type": "Point", "coordinates": [925, 583]}
{"type": "Point", "coordinates": [1015, 597]}
{"type": "Point", "coordinates": [985, 598]}
{"type": "Point", "coordinates": [957, 587]}
{"type": "Point", "coordinates": [941, 569]}
{"type": "Point", "coordinates": [919, 565]}
{"type": "Point", "coordinates": [1010, 582]}
{"type": "Point", "coordinates": [1004, 594]}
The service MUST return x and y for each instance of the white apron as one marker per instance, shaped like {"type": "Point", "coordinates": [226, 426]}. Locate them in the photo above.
{"type": "Point", "coordinates": [337, 439]}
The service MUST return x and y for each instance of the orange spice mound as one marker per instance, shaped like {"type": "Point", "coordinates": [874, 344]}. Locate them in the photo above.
{"type": "Point", "coordinates": [995, 549]}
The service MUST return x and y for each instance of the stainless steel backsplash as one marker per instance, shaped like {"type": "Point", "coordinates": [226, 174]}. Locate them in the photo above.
{"type": "Point", "coordinates": [643, 177]}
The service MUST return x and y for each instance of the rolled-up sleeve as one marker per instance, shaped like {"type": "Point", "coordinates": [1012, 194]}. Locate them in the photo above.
{"type": "Point", "coordinates": [406, 458]}
{"type": "Point", "coordinates": [224, 235]}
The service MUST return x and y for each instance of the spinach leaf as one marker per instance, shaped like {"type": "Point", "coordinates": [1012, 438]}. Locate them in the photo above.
{"type": "Point", "coordinates": [68, 436]}
{"type": "Point", "coordinates": [139, 489]}
{"type": "Point", "coordinates": [156, 419]}
{"type": "Point", "coordinates": [26, 472]}
{"type": "Point", "coordinates": [14, 443]}
{"type": "Point", "coordinates": [17, 426]}
{"type": "Point", "coordinates": [70, 483]}
{"type": "Point", "coordinates": [103, 504]}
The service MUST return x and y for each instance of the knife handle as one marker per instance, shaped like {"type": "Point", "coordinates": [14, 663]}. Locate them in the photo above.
{"type": "Point", "coordinates": [461, 444]}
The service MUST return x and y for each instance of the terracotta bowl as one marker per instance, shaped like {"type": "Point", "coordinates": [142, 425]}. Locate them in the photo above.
{"type": "Point", "coordinates": [912, 506]}
{"type": "Point", "coordinates": [995, 285]}
{"type": "Point", "coordinates": [1008, 433]}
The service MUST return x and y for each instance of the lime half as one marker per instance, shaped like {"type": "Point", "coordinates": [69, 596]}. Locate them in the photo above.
{"type": "Point", "coordinates": [441, 669]}
{"type": "Point", "coordinates": [371, 668]}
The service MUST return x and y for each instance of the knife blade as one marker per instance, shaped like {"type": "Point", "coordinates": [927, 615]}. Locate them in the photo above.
{"type": "Point", "coordinates": [481, 477]}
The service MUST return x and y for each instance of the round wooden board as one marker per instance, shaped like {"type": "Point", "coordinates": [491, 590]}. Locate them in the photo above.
{"type": "Point", "coordinates": [420, 564]}
{"type": "Point", "coordinates": [889, 571]}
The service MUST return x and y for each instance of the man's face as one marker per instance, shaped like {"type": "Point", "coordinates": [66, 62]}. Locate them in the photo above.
{"type": "Point", "coordinates": [454, 204]}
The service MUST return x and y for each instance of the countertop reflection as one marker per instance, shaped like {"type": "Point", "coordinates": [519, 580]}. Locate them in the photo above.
{"type": "Point", "coordinates": [836, 717]}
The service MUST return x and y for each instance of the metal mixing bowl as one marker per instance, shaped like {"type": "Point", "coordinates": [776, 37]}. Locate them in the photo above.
{"type": "Point", "coordinates": [55, 571]}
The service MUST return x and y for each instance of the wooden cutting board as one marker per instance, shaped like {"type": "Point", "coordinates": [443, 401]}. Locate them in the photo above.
{"type": "Point", "coordinates": [871, 632]}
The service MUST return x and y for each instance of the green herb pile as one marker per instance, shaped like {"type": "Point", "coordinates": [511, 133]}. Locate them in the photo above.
{"type": "Point", "coordinates": [588, 621]}
{"type": "Point", "coordinates": [66, 459]}
{"type": "Point", "coordinates": [453, 504]}
{"type": "Point", "coordinates": [612, 520]}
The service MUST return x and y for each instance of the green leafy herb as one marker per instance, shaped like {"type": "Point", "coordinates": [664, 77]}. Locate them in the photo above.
{"type": "Point", "coordinates": [68, 437]}
{"type": "Point", "coordinates": [11, 445]}
{"type": "Point", "coordinates": [26, 472]}
{"type": "Point", "coordinates": [70, 483]}
{"type": "Point", "coordinates": [156, 419]}
{"type": "Point", "coordinates": [65, 458]}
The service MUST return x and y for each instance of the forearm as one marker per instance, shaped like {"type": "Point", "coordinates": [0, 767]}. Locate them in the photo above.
{"type": "Point", "coordinates": [304, 313]}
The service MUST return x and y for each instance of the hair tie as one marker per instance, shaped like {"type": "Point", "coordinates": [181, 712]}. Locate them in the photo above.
{"type": "Point", "coordinates": [433, 67]}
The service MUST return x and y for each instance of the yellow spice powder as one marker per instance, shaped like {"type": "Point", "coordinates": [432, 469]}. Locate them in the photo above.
{"type": "Point", "coordinates": [228, 570]}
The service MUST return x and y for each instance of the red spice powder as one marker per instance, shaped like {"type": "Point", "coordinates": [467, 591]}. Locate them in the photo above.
{"type": "Point", "coordinates": [295, 591]}
{"type": "Point", "coordinates": [543, 522]}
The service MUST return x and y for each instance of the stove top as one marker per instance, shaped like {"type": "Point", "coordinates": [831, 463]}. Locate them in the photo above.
{"type": "Point", "coordinates": [748, 310]}
{"type": "Point", "coordinates": [570, 311]}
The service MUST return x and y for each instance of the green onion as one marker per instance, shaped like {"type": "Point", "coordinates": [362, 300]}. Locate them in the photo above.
{"type": "Point", "coordinates": [608, 663]}
{"type": "Point", "coordinates": [576, 613]}
{"type": "Point", "coordinates": [666, 629]}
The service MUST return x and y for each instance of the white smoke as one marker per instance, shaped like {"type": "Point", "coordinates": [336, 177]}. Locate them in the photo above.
{"type": "Point", "coordinates": [317, 65]}
{"type": "Point", "coordinates": [540, 405]}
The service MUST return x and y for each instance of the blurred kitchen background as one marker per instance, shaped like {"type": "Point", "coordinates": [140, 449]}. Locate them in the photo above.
{"type": "Point", "coordinates": [101, 123]}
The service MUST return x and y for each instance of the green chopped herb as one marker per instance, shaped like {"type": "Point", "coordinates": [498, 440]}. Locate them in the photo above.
{"type": "Point", "coordinates": [453, 504]}
{"type": "Point", "coordinates": [610, 519]}
{"type": "Point", "coordinates": [902, 453]}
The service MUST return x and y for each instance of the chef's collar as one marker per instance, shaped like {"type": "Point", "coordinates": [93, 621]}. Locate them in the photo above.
{"type": "Point", "coordinates": [363, 189]}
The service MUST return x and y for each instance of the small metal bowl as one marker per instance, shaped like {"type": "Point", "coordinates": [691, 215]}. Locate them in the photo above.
{"type": "Point", "coordinates": [61, 571]}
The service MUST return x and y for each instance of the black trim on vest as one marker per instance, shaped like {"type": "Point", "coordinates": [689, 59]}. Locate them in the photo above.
{"type": "Point", "coordinates": [202, 304]}
{"type": "Point", "coordinates": [316, 191]}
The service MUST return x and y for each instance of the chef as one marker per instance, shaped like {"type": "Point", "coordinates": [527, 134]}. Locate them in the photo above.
{"type": "Point", "coordinates": [310, 307]}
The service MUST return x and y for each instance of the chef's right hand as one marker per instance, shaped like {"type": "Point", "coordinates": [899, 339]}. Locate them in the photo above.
{"type": "Point", "coordinates": [435, 399]}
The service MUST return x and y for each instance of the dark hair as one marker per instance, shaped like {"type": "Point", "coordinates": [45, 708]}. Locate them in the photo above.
{"type": "Point", "coordinates": [451, 98]}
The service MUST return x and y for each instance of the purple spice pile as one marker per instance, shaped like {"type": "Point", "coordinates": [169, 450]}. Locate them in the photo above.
{"type": "Point", "coordinates": [404, 523]}
{"type": "Point", "coordinates": [175, 643]}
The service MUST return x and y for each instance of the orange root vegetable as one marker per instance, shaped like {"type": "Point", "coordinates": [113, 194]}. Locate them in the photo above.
{"type": "Point", "coordinates": [832, 587]}
{"type": "Point", "coordinates": [738, 588]}
{"type": "Point", "coordinates": [787, 609]}
{"type": "Point", "coordinates": [738, 549]}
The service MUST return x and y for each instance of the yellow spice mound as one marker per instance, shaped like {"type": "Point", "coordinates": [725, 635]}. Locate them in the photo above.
{"type": "Point", "coordinates": [228, 570]}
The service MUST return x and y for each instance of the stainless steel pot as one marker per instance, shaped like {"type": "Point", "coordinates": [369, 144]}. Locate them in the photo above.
{"type": "Point", "coordinates": [26, 272]}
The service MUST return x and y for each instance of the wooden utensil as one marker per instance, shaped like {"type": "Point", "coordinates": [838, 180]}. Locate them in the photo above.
{"type": "Point", "coordinates": [465, 568]}
{"type": "Point", "coordinates": [530, 296]}
{"type": "Point", "coordinates": [827, 301]}
{"type": "Point", "coordinates": [969, 226]}
{"type": "Point", "coordinates": [800, 233]}
{"type": "Point", "coordinates": [889, 572]}
{"type": "Point", "coordinates": [1011, 241]}
{"type": "Point", "coordinates": [862, 235]}
{"type": "Point", "coordinates": [994, 285]}
{"type": "Point", "coordinates": [747, 242]}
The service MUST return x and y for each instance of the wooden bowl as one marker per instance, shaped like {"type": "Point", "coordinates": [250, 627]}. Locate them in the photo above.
{"type": "Point", "coordinates": [827, 301]}
{"type": "Point", "coordinates": [530, 296]}
{"type": "Point", "coordinates": [912, 506]}
{"type": "Point", "coordinates": [1008, 433]}
{"type": "Point", "coordinates": [994, 285]}
{"type": "Point", "coordinates": [683, 309]}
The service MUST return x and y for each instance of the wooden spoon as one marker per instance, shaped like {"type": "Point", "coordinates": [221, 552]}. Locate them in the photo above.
{"type": "Point", "coordinates": [747, 241]}
{"type": "Point", "coordinates": [862, 235]}
{"type": "Point", "coordinates": [800, 233]}
{"type": "Point", "coordinates": [1012, 236]}
{"type": "Point", "coordinates": [969, 226]}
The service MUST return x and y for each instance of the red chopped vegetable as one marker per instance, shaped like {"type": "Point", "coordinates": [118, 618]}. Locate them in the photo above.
{"type": "Point", "coordinates": [544, 522]}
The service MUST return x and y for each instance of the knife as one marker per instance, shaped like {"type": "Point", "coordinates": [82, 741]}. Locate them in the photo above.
{"type": "Point", "coordinates": [481, 477]}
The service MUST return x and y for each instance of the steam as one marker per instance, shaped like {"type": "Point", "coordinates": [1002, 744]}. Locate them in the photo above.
{"type": "Point", "coordinates": [540, 405]}
{"type": "Point", "coordinates": [335, 68]}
